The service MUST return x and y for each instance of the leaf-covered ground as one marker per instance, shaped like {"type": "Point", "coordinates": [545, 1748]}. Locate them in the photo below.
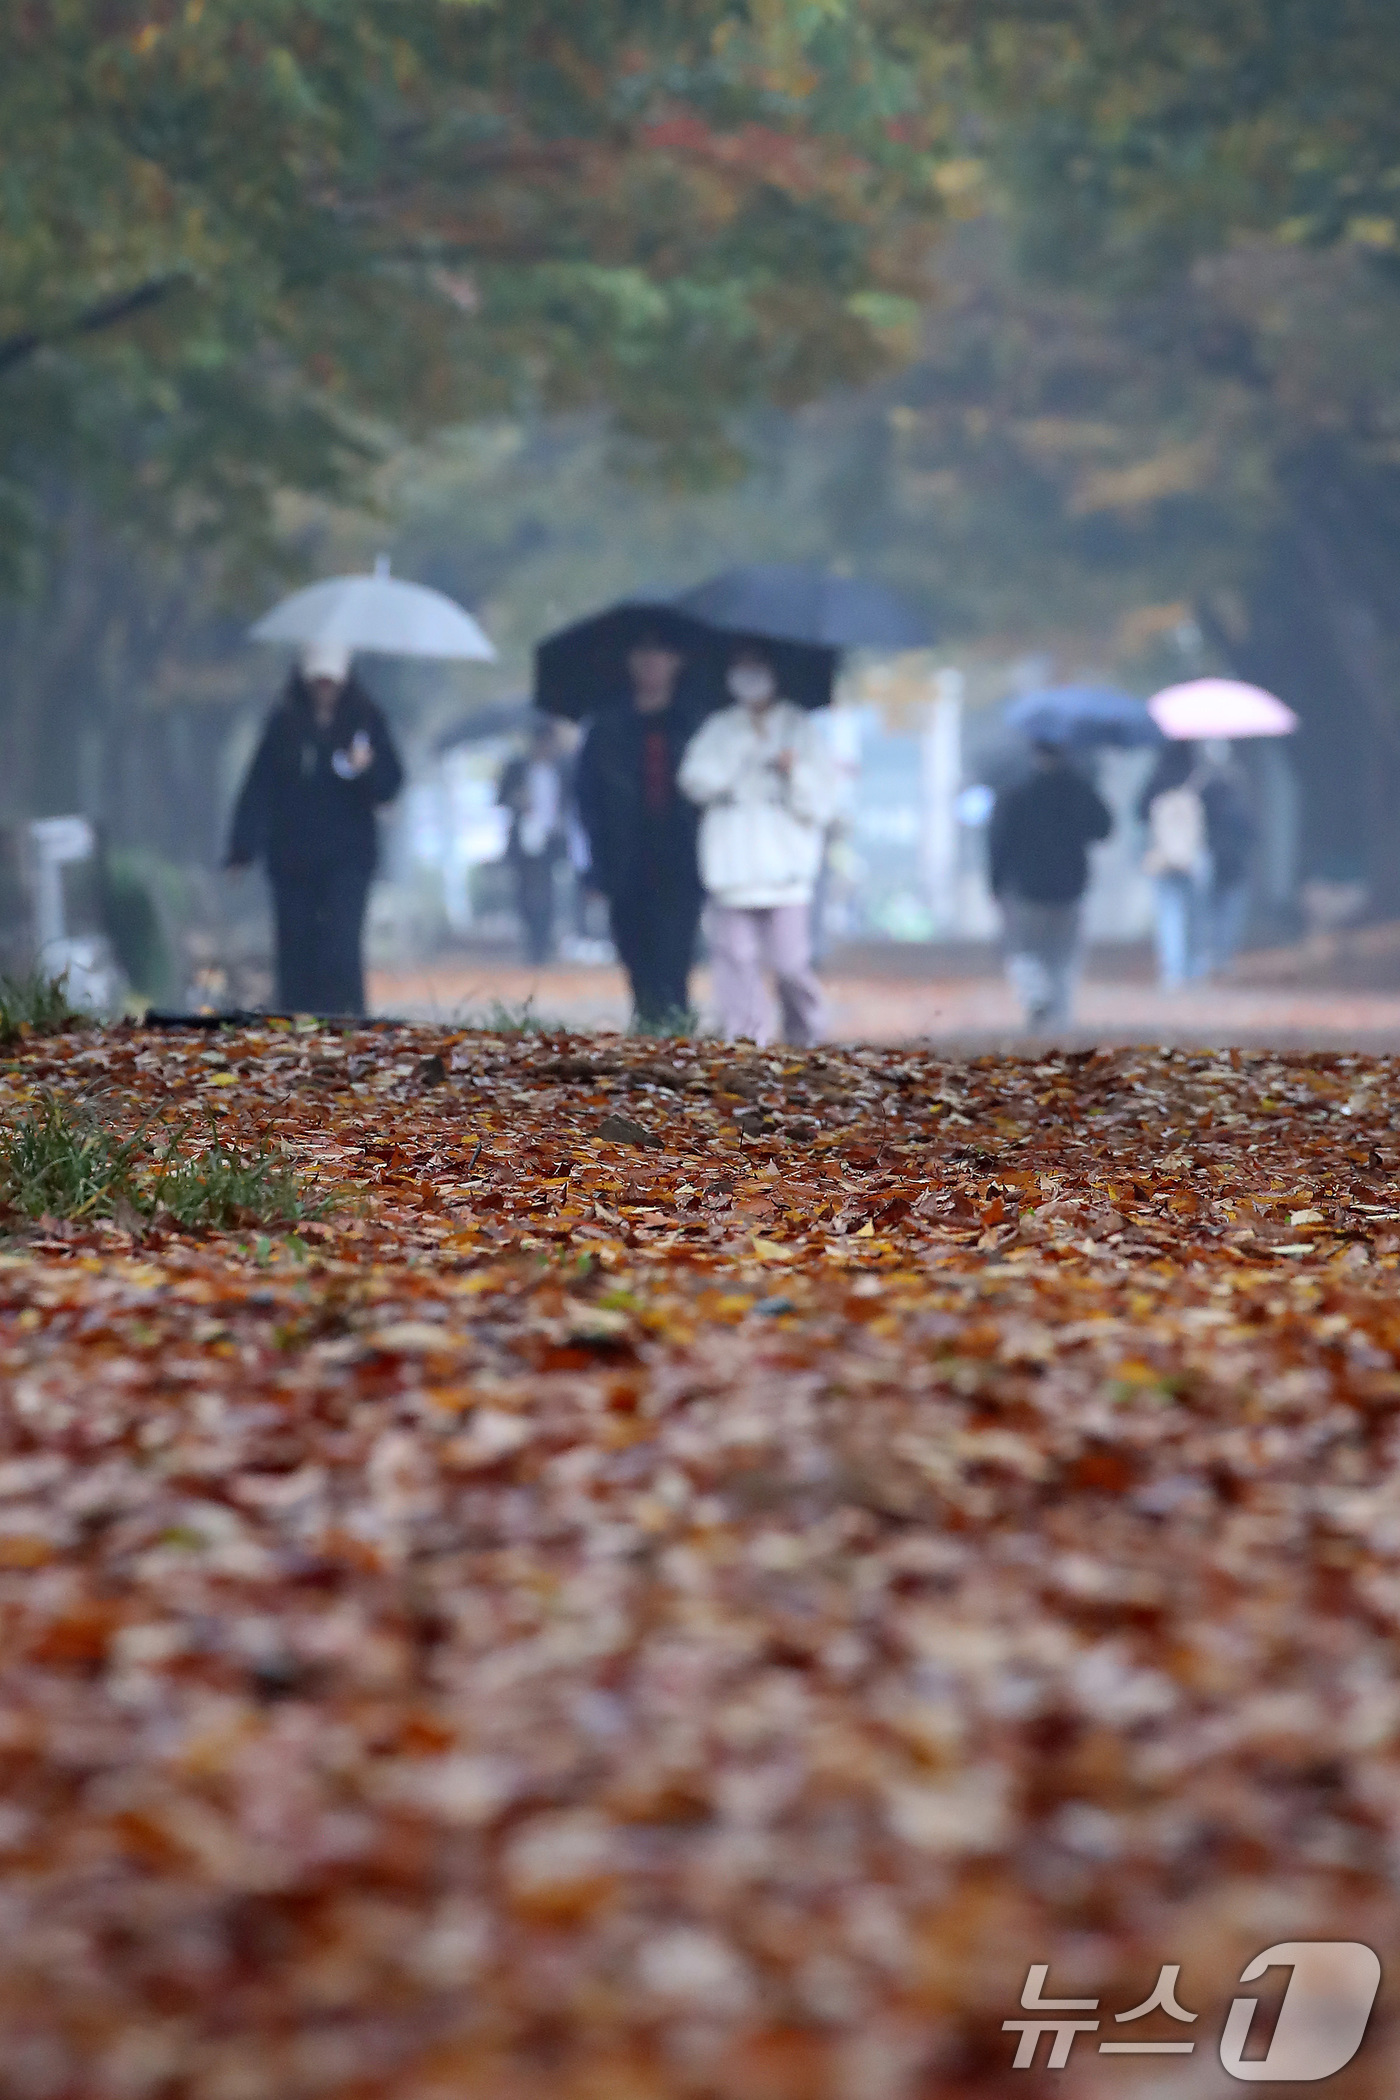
{"type": "Point", "coordinates": [698, 1573]}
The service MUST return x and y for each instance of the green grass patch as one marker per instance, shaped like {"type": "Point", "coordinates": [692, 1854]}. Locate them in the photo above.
{"type": "Point", "coordinates": [59, 1160]}
{"type": "Point", "coordinates": [36, 1005]}
{"type": "Point", "coordinates": [677, 1024]}
{"type": "Point", "coordinates": [223, 1187]}
{"type": "Point", "coordinates": [502, 1019]}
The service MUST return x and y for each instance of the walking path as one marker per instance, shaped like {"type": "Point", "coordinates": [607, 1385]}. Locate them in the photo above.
{"type": "Point", "coordinates": [972, 1012]}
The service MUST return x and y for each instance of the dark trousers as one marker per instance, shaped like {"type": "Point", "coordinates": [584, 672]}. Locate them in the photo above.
{"type": "Point", "coordinates": [320, 922]}
{"type": "Point", "coordinates": [654, 933]}
{"type": "Point", "coordinates": [534, 900]}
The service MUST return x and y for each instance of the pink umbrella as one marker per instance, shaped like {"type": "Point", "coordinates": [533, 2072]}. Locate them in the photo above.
{"type": "Point", "coordinates": [1219, 707]}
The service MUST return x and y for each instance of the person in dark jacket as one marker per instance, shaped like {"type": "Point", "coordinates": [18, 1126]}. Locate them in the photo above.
{"type": "Point", "coordinates": [1040, 834]}
{"type": "Point", "coordinates": [1230, 836]}
{"type": "Point", "coordinates": [306, 810]}
{"type": "Point", "coordinates": [642, 830]}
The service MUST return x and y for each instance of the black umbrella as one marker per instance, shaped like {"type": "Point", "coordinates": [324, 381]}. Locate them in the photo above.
{"type": "Point", "coordinates": [582, 670]}
{"type": "Point", "coordinates": [787, 602]}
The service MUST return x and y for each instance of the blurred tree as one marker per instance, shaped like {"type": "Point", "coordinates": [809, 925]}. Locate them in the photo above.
{"type": "Point", "coordinates": [1138, 137]}
{"type": "Point", "coordinates": [246, 252]}
{"type": "Point", "coordinates": [233, 241]}
{"type": "Point", "coordinates": [1208, 196]}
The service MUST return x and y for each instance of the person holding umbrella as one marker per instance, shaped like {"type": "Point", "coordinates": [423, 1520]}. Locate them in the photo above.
{"type": "Point", "coordinates": [325, 764]}
{"type": "Point", "coordinates": [1038, 843]}
{"type": "Point", "coordinates": [1200, 839]}
{"type": "Point", "coordinates": [640, 829]}
{"type": "Point", "coordinates": [766, 778]}
{"type": "Point", "coordinates": [767, 783]}
{"type": "Point", "coordinates": [1041, 829]}
{"type": "Point", "coordinates": [1203, 898]}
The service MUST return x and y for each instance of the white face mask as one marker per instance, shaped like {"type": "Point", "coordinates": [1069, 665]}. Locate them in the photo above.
{"type": "Point", "coordinates": [752, 685]}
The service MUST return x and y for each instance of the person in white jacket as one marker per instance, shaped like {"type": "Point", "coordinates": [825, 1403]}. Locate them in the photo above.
{"type": "Point", "coordinates": [768, 786]}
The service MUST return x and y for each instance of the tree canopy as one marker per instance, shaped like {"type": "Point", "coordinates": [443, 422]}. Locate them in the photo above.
{"type": "Point", "coordinates": [233, 241]}
{"type": "Point", "coordinates": [1138, 136]}
{"type": "Point", "coordinates": [1220, 180]}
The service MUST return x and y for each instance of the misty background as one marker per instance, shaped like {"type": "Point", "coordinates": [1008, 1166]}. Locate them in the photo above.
{"type": "Point", "coordinates": [1078, 326]}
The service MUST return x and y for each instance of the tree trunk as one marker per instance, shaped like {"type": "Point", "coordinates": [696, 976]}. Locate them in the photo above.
{"type": "Point", "coordinates": [1323, 633]}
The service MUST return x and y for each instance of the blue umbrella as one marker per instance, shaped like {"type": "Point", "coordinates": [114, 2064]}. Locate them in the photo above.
{"type": "Point", "coordinates": [1080, 716]}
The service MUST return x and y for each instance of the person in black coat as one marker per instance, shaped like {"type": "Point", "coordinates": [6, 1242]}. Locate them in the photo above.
{"type": "Point", "coordinates": [1230, 835]}
{"type": "Point", "coordinates": [326, 762]}
{"type": "Point", "coordinates": [1041, 831]}
{"type": "Point", "coordinates": [642, 830]}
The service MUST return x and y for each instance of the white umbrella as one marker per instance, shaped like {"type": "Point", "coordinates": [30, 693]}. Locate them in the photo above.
{"type": "Point", "coordinates": [378, 613]}
{"type": "Point", "coordinates": [1219, 708]}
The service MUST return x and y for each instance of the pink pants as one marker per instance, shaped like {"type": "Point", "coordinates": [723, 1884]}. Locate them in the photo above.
{"type": "Point", "coordinates": [742, 945]}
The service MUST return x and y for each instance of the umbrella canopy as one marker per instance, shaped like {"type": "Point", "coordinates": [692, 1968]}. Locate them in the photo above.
{"type": "Point", "coordinates": [1082, 716]}
{"type": "Point", "coordinates": [1219, 707]}
{"type": "Point", "coordinates": [378, 613]}
{"type": "Point", "coordinates": [581, 670]}
{"type": "Point", "coordinates": [789, 602]}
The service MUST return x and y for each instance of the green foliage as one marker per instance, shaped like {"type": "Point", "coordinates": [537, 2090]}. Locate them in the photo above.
{"type": "Point", "coordinates": [223, 1187]}
{"type": "Point", "coordinates": [60, 1160]}
{"type": "Point", "coordinates": [503, 1019]}
{"type": "Point", "coordinates": [38, 1004]}
{"type": "Point", "coordinates": [1217, 182]}
{"type": "Point", "coordinates": [676, 1024]}
{"type": "Point", "coordinates": [1137, 136]}
{"type": "Point", "coordinates": [239, 244]}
